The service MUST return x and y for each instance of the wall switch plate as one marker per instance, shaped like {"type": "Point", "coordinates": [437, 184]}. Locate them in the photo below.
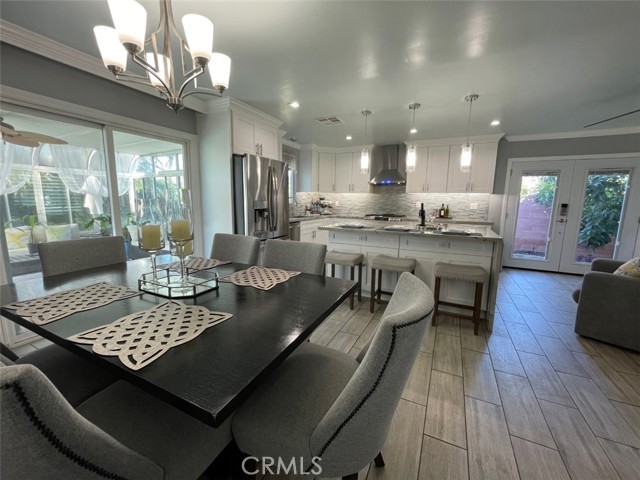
{"type": "Point", "coordinates": [473, 206]}
{"type": "Point", "coordinates": [336, 203]}
{"type": "Point", "coordinates": [418, 204]}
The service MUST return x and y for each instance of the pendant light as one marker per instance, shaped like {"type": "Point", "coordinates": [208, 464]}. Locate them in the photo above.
{"type": "Point", "coordinates": [411, 150]}
{"type": "Point", "coordinates": [467, 148]}
{"type": "Point", "coordinates": [364, 155]}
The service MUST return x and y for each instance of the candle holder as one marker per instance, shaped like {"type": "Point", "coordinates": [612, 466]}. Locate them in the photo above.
{"type": "Point", "coordinates": [180, 231]}
{"type": "Point", "coordinates": [150, 226]}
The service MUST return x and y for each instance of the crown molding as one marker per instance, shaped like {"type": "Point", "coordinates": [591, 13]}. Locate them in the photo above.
{"type": "Point", "coordinates": [35, 43]}
{"type": "Point", "coordinates": [456, 140]}
{"type": "Point", "coordinates": [581, 134]}
{"type": "Point", "coordinates": [219, 105]}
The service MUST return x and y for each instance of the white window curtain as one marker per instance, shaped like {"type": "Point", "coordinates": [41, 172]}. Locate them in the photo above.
{"type": "Point", "coordinates": [16, 166]}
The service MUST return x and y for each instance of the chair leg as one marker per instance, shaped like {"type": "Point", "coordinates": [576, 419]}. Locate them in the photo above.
{"type": "Point", "coordinates": [436, 297]}
{"type": "Point", "coordinates": [379, 461]}
{"type": "Point", "coordinates": [379, 286]}
{"type": "Point", "coordinates": [333, 270]}
{"type": "Point", "coordinates": [360, 282]}
{"type": "Point", "coordinates": [353, 476]}
{"type": "Point", "coordinates": [353, 269]}
{"type": "Point", "coordinates": [373, 289]}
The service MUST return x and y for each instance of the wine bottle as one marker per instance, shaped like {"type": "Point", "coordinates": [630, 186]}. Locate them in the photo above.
{"type": "Point", "coordinates": [446, 212]}
{"type": "Point", "coordinates": [441, 212]}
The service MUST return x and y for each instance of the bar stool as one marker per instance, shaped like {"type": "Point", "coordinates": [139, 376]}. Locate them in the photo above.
{"type": "Point", "coordinates": [389, 264]}
{"type": "Point", "coordinates": [347, 259]}
{"type": "Point", "coordinates": [464, 273]}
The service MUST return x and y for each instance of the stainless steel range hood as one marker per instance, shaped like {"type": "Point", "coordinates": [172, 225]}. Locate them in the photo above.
{"type": "Point", "coordinates": [388, 161]}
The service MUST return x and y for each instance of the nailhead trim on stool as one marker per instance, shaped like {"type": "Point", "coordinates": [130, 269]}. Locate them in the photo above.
{"type": "Point", "coordinates": [464, 273]}
{"type": "Point", "coordinates": [389, 264]}
{"type": "Point", "coordinates": [350, 260]}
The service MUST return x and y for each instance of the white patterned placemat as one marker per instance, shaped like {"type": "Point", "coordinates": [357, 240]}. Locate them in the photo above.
{"type": "Point", "coordinates": [53, 307]}
{"type": "Point", "coordinates": [259, 277]}
{"type": "Point", "coordinates": [143, 337]}
{"type": "Point", "coordinates": [196, 264]}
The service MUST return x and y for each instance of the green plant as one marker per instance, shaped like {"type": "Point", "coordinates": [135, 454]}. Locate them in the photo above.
{"type": "Point", "coordinates": [103, 222]}
{"type": "Point", "coordinates": [604, 196]}
{"type": "Point", "coordinates": [30, 223]}
{"type": "Point", "coordinates": [546, 191]}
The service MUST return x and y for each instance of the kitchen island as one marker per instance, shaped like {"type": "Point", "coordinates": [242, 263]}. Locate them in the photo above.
{"type": "Point", "coordinates": [468, 244]}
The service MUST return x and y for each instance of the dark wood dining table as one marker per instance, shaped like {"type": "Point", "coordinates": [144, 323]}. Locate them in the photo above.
{"type": "Point", "coordinates": [210, 376]}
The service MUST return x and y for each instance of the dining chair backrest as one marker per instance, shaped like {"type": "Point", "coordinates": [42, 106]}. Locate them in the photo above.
{"type": "Point", "coordinates": [354, 429]}
{"type": "Point", "coordinates": [44, 437]}
{"type": "Point", "coordinates": [73, 255]}
{"type": "Point", "coordinates": [235, 248]}
{"type": "Point", "coordinates": [305, 257]}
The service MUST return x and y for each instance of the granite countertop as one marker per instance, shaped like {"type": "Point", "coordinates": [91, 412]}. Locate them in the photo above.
{"type": "Point", "coordinates": [387, 228]}
{"type": "Point", "coordinates": [407, 220]}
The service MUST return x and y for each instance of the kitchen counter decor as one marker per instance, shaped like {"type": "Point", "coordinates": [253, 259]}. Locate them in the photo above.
{"type": "Point", "coordinates": [53, 307]}
{"type": "Point", "coordinates": [141, 338]}
{"type": "Point", "coordinates": [171, 284]}
{"type": "Point", "coordinates": [259, 277]}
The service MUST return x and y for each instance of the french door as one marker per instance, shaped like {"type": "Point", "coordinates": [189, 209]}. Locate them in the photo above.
{"type": "Point", "coordinates": [562, 214]}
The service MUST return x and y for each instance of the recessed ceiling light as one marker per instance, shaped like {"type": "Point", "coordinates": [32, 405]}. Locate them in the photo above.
{"type": "Point", "coordinates": [495, 123]}
{"type": "Point", "coordinates": [294, 105]}
{"type": "Point", "coordinates": [349, 137]}
{"type": "Point", "coordinates": [413, 130]}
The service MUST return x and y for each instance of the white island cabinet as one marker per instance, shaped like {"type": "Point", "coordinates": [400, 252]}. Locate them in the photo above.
{"type": "Point", "coordinates": [484, 250]}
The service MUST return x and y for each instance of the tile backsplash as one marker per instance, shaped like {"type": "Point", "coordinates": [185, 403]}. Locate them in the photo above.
{"type": "Point", "coordinates": [399, 202]}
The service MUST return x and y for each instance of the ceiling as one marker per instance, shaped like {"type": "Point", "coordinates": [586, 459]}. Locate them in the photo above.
{"type": "Point", "coordinates": [539, 67]}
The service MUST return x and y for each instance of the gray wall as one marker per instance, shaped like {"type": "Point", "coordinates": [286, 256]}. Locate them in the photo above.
{"type": "Point", "coordinates": [567, 146]}
{"type": "Point", "coordinates": [33, 73]}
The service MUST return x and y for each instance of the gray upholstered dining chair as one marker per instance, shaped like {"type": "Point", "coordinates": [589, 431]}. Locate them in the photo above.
{"type": "Point", "coordinates": [305, 257]}
{"type": "Point", "coordinates": [75, 378]}
{"type": "Point", "coordinates": [322, 403]}
{"type": "Point", "coordinates": [235, 248]}
{"type": "Point", "coordinates": [123, 433]}
{"type": "Point", "coordinates": [73, 255]}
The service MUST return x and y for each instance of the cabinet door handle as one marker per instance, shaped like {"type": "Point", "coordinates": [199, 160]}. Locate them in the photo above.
{"type": "Point", "coordinates": [471, 186]}
{"type": "Point", "coordinates": [426, 189]}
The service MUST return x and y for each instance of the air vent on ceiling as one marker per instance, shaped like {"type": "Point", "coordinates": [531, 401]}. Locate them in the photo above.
{"type": "Point", "coordinates": [330, 120]}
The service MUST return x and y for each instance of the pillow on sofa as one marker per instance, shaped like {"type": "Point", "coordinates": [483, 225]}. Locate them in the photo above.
{"type": "Point", "coordinates": [630, 268]}
{"type": "Point", "coordinates": [16, 238]}
{"type": "Point", "coordinates": [63, 232]}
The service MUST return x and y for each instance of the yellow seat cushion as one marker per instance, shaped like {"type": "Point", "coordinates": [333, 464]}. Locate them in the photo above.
{"type": "Point", "coordinates": [630, 268]}
{"type": "Point", "coordinates": [16, 238]}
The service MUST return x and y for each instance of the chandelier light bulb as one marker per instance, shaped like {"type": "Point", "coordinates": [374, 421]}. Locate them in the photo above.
{"type": "Point", "coordinates": [130, 20]}
{"type": "Point", "coordinates": [199, 33]}
{"type": "Point", "coordinates": [220, 71]}
{"type": "Point", "coordinates": [112, 52]}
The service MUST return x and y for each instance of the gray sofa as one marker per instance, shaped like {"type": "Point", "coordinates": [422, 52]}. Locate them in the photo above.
{"type": "Point", "coordinates": [609, 306]}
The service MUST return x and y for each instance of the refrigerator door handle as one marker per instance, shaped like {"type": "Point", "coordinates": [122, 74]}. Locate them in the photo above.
{"type": "Point", "coordinates": [274, 201]}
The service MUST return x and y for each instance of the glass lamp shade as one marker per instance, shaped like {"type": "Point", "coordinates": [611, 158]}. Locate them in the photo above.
{"type": "Point", "coordinates": [111, 50]}
{"type": "Point", "coordinates": [411, 158]}
{"type": "Point", "coordinates": [364, 161]}
{"type": "Point", "coordinates": [220, 70]}
{"type": "Point", "coordinates": [163, 62]}
{"type": "Point", "coordinates": [199, 33]}
{"type": "Point", "coordinates": [465, 156]}
{"type": "Point", "coordinates": [130, 20]}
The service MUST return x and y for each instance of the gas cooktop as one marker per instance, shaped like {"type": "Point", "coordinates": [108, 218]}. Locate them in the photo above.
{"type": "Point", "coordinates": [389, 217]}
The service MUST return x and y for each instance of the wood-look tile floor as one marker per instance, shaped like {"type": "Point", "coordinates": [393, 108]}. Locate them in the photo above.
{"type": "Point", "coordinates": [530, 400]}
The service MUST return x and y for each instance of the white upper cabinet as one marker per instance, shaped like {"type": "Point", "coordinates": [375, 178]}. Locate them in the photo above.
{"type": "Point", "coordinates": [348, 177]}
{"type": "Point", "coordinates": [326, 172]}
{"type": "Point", "coordinates": [253, 136]}
{"type": "Point", "coordinates": [437, 169]}
{"type": "Point", "coordinates": [432, 169]}
{"type": "Point", "coordinates": [479, 177]}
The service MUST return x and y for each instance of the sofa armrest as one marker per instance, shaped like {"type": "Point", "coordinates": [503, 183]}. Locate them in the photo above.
{"type": "Point", "coordinates": [605, 265]}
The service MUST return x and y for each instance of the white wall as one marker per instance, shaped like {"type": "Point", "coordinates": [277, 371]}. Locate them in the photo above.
{"type": "Point", "coordinates": [214, 134]}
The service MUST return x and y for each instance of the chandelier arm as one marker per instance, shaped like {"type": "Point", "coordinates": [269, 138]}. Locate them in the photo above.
{"type": "Point", "coordinates": [193, 74]}
{"type": "Point", "coordinates": [139, 61]}
{"type": "Point", "coordinates": [203, 91]}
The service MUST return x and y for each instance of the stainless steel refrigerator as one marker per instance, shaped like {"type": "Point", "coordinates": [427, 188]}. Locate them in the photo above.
{"type": "Point", "coordinates": [261, 196]}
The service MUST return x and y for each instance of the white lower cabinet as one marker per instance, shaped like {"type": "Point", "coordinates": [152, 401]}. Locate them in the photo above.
{"type": "Point", "coordinates": [309, 232]}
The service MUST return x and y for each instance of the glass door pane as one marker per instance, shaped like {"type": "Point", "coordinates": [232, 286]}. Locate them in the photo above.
{"type": "Point", "coordinates": [535, 211]}
{"type": "Point", "coordinates": [600, 218]}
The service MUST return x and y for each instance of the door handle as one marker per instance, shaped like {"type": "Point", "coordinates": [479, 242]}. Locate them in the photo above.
{"type": "Point", "coordinates": [561, 220]}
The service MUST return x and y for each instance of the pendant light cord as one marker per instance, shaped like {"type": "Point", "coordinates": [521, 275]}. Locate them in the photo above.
{"type": "Point", "coordinates": [470, 98]}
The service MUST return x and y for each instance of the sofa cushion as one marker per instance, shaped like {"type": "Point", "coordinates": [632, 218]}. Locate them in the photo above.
{"type": "Point", "coordinates": [62, 232]}
{"type": "Point", "coordinates": [630, 268]}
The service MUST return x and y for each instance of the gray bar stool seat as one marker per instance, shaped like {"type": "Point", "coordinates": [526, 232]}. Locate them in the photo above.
{"type": "Point", "coordinates": [382, 263]}
{"type": "Point", "coordinates": [464, 273]}
{"type": "Point", "coordinates": [347, 259]}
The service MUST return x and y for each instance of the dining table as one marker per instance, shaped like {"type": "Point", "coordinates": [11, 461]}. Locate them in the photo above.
{"type": "Point", "coordinates": [211, 375]}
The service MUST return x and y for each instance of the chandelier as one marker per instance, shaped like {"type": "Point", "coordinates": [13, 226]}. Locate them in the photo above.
{"type": "Point", "coordinates": [154, 54]}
